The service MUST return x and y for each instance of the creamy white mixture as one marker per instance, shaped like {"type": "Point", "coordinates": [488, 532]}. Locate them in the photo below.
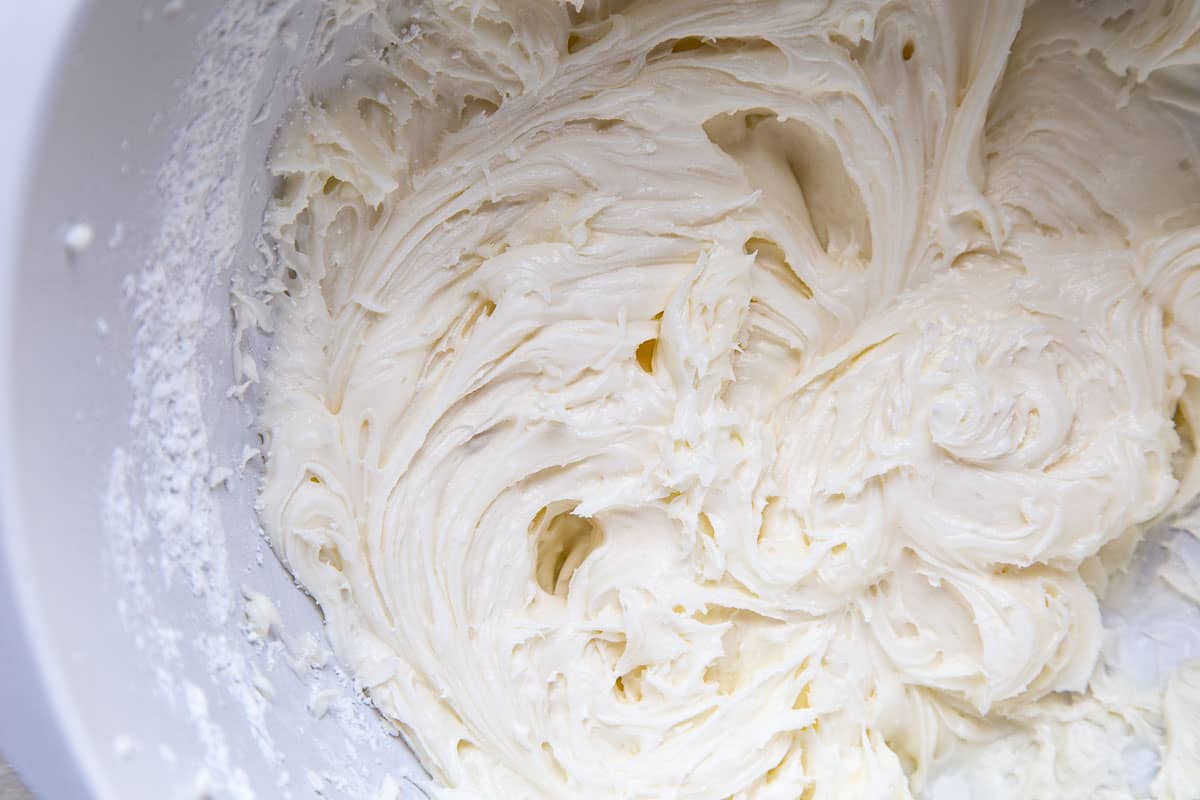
{"type": "Point", "coordinates": [678, 399]}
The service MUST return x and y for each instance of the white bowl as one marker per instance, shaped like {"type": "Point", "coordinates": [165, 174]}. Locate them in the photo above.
{"type": "Point", "coordinates": [135, 137]}
{"type": "Point", "coordinates": [138, 133]}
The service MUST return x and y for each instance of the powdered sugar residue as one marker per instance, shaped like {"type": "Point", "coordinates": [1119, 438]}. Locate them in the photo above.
{"type": "Point", "coordinates": [187, 475]}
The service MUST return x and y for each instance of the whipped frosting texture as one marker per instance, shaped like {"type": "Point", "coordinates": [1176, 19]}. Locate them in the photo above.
{"type": "Point", "coordinates": [748, 399]}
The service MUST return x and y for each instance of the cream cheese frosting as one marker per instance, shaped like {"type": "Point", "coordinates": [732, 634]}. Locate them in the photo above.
{"type": "Point", "coordinates": [676, 399]}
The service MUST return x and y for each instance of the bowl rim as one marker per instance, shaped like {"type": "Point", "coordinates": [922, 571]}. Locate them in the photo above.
{"type": "Point", "coordinates": [37, 735]}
